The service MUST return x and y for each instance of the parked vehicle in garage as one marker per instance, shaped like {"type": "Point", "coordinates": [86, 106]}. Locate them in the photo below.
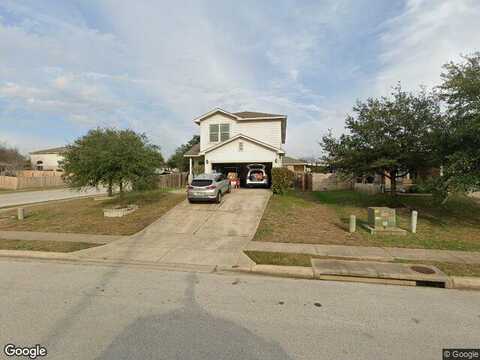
{"type": "Point", "coordinates": [208, 187]}
{"type": "Point", "coordinates": [256, 176]}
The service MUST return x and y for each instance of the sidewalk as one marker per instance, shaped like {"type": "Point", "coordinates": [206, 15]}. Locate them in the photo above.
{"type": "Point", "coordinates": [368, 253]}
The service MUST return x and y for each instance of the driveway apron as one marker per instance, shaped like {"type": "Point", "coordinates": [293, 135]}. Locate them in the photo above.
{"type": "Point", "coordinates": [194, 234]}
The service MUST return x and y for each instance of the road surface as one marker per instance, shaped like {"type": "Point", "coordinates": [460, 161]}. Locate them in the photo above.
{"type": "Point", "coordinates": [96, 312]}
{"type": "Point", "coordinates": [31, 197]}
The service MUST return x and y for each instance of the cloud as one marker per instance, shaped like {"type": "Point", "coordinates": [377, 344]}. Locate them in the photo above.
{"type": "Point", "coordinates": [428, 34]}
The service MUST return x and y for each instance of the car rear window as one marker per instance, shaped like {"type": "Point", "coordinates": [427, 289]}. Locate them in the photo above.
{"type": "Point", "coordinates": [201, 182]}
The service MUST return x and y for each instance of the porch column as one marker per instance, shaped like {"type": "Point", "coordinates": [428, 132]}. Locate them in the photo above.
{"type": "Point", "coordinates": [190, 170]}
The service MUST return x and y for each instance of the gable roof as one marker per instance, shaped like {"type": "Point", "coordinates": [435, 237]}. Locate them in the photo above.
{"type": "Point", "coordinates": [193, 152]}
{"type": "Point", "coordinates": [256, 115]}
{"type": "Point", "coordinates": [241, 136]}
{"type": "Point", "coordinates": [57, 150]}
{"type": "Point", "coordinates": [287, 160]}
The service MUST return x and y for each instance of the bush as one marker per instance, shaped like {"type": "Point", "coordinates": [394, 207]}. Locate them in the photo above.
{"type": "Point", "coordinates": [282, 180]}
{"type": "Point", "coordinates": [145, 183]}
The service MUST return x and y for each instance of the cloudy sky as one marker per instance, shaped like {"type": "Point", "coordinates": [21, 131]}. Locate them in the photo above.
{"type": "Point", "coordinates": [151, 65]}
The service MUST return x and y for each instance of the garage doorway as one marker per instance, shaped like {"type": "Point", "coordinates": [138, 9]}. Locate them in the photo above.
{"type": "Point", "coordinates": [241, 169]}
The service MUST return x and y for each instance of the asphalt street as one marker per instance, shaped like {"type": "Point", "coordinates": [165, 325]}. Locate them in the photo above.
{"type": "Point", "coordinates": [100, 312]}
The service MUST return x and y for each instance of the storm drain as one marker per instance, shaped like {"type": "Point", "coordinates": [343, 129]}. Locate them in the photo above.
{"type": "Point", "coordinates": [379, 272]}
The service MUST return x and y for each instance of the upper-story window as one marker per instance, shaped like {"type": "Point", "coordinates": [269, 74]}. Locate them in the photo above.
{"type": "Point", "coordinates": [219, 132]}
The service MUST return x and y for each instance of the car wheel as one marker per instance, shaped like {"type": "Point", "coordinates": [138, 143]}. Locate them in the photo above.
{"type": "Point", "coordinates": [219, 197]}
{"type": "Point", "coordinates": [190, 201]}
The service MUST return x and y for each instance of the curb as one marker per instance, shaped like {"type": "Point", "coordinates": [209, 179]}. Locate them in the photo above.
{"type": "Point", "coordinates": [464, 282]}
{"type": "Point", "coordinates": [301, 272]}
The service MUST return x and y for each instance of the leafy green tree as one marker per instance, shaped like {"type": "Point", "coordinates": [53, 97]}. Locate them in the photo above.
{"type": "Point", "coordinates": [460, 136]}
{"type": "Point", "coordinates": [390, 136]}
{"type": "Point", "coordinates": [110, 157]}
{"type": "Point", "coordinates": [177, 160]}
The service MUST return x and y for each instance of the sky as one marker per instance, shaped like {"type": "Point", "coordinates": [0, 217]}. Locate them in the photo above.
{"type": "Point", "coordinates": [153, 66]}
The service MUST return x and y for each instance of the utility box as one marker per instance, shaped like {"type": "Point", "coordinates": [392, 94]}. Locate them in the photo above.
{"type": "Point", "coordinates": [381, 217]}
{"type": "Point", "coordinates": [382, 220]}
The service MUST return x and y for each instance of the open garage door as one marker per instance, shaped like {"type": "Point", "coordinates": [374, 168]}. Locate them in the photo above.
{"type": "Point", "coordinates": [241, 169]}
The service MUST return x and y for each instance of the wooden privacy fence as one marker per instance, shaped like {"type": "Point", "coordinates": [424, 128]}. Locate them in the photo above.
{"type": "Point", "coordinates": [17, 183]}
{"type": "Point", "coordinates": [320, 182]}
{"type": "Point", "coordinates": [174, 180]}
{"type": "Point", "coordinates": [368, 188]}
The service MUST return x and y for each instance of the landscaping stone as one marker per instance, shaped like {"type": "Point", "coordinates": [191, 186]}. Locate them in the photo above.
{"type": "Point", "coordinates": [119, 212]}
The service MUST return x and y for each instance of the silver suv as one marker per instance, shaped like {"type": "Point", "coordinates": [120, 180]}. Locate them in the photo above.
{"type": "Point", "coordinates": [208, 187]}
{"type": "Point", "coordinates": [256, 176]}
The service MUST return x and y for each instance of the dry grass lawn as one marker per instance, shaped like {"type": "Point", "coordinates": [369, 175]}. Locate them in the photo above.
{"type": "Point", "coordinates": [85, 216]}
{"type": "Point", "coordinates": [54, 246]}
{"type": "Point", "coordinates": [322, 218]}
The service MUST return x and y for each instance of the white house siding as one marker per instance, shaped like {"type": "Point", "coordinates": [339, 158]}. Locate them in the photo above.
{"type": "Point", "coordinates": [230, 153]}
{"type": "Point", "coordinates": [268, 131]}
{"type": "Point", "coordinates": [50, 161]}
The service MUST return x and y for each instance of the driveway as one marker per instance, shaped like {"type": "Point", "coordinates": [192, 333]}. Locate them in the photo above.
{"type": "Point", "coordinates": [31, 197]}
{"type": "Point", "coordinates": [194, 234]}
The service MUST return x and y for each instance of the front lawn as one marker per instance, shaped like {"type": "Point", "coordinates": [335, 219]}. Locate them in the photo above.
{"type": "Point", "coordinates": [85, 216]}
{"type": "Point", "coordinates": [322, 218]}
{"type": "Point", "coordinates": [54, 246]}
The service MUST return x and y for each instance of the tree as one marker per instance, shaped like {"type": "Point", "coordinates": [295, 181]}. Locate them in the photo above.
{"type": "Point", "coordinates": [460, 136]}
{"type": "Point", "coordinates": [11, 157]}
{"type": "Point", "coordinates": [390, 136]}
{"type": "Point", "coordinates": [110, 157]}
{"type": "Point", "coordinates": [177, 160]}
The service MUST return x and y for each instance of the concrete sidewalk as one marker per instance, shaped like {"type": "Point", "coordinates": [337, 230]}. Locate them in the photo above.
{"type": "Point", "coordinates": [43, 236]}
{"type": "Point", "coordinates": [368, 253]}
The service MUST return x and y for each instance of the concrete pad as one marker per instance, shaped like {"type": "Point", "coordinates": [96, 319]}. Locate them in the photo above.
{"type": "Point", "coordinates": [370, 269]}
{"type": "Point", "coordinates": [182, 223]}
{"type": "Point", "coordinates": [353, 252]}
{"type": "Point", "coordinates": [230, 224]}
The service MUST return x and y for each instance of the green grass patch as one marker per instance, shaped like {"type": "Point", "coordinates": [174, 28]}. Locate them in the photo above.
{"type": "Point", "coordinates": [53, 246]}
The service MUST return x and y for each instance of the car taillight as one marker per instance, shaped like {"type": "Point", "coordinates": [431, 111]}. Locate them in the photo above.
{"type": "Point", "coordinates": [211, 187]}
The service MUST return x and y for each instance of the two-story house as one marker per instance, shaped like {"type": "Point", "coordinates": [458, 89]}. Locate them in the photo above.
{"type": "Point", "coordinates": [231, 141]}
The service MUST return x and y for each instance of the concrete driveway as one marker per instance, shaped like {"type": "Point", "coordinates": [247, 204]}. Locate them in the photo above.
{"type": "Point", "coordinates": [31, 197]}
{"type": "Point", "coordinates": [194, 234]}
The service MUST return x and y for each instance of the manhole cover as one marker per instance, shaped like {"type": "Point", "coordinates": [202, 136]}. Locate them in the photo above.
{"type": "Point", "coordinates": [422, 269]}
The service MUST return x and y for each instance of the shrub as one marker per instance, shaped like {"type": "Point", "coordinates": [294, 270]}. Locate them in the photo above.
{"type": "Point", "coordinates": [145, 183]}
{"type": "Point", "coordinates": [282, 180]}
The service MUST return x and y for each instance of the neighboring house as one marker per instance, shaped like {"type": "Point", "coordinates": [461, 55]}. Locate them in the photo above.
{"type": "Point", "coordinates": [230, 141]}
{"type": "Point", "coordinates": [295, 165]}
{"type": "Point", "coordinates": [48, 159]}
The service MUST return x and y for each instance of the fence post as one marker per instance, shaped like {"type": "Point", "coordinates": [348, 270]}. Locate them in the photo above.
{"type": "Point", "coordinates": [353, 224]}
{"type": "Point", "coordinates": [414, 221]}
{"type": "Point", "coordinates": [21, 213]}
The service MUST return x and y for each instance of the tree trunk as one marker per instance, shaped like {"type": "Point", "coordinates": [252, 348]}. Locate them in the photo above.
{"type": "Point", "coordinates": [110, 187]}
{"type": "Point", "coordinates": [393, 183]}
{"type": "Point", "coordinates": [121, 187]}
